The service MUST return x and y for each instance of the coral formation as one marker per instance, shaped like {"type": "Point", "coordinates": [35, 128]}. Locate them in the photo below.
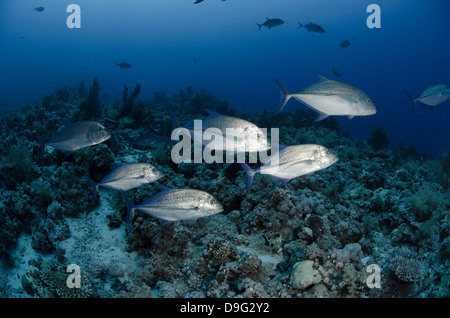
{"type": "Point", "coordinates": [90, 107]}
{"type": "Point", "coordinates": [313, 237]}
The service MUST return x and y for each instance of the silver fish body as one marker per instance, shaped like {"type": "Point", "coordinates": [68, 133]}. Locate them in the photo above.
{"type": "Point", "coordinates": [432, 95]}
{"type": "Point", "coordinates": [292, 162]}
{"type": "Point", "coordinates": [177, 204]}
{"type": "Point", "coordinates": [77, 135]}
{"type": "Point", "coordinates": [127, 176]}
{"type": "Point", "coordinates": [332, 98]}
{"type": "Point", "coordinates": [227, 133]}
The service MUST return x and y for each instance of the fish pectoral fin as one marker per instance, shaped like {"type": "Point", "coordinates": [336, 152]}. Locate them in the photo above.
{"type": "Point", "coordinates": [284, 182]}
{"type": "Point", "coordinates": [211, 112]}
{"type": "Point", "coordinates": [164, 223]}
{"type": "Point", "coordinates": [115, 165]}
{"type": "Point", "coordinates": [350, 116]}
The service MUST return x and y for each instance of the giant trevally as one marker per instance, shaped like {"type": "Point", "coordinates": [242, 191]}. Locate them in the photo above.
{"type": "Point", "coordinates": [292, 162]}
{"type": "Point", "coordinates": [270, 23]}
{"type": "Point", "coordinates": [77, 135]}
{"type": "Point", "coordinates": [311, 27]}
{"type": "Point", "coordinates": [331, 98]}
{"type": "Point", "coordinates": [177, 204]}
{"type": "Point", "coordinates": [233, 133]}
{"type": "Point", "coordinates": [431, 96]}
{"type": "Point", "coordinates": [127, 176]}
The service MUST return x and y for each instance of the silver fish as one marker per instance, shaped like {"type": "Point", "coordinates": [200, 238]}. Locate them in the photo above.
{"type": "Point", "coordinates": [230, 134]}
{"type": "Point", "coordinates": [431, 96]}
{"type": "Point", "coordinates": [177, 204]}
{"type": "Point", "coordinates": [127, 176]}
{"type": "Point", "coordinates": [77, 135]}
{"type": "Point", "coordinates": [331, 98]}
{"type": "Point", "coordinates": [292, 162]}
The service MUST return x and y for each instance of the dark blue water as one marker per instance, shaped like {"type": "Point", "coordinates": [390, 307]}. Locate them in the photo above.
{"type": "Point", "coordinates": [216, 45]}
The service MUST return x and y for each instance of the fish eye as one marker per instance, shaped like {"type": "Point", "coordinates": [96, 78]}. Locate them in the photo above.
{"type": "Point", "coordinates": [327, 153]}
{"type": "Point", "coordinates": [368, 100]}
{"type": "Point", "coordinates": [212, 201]}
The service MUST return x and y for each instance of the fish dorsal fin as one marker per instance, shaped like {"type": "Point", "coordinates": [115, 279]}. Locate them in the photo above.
{"type": "Point", "coordinates": [211, 112]}
{"type": "Point", "coordinates": [282, 147]}
{"type": "Point", "coordinates": [115, 165]}
{"type": "Point", "coordinates": [321, 77]}
{"type": "Point", "coordinates": [162, 187]}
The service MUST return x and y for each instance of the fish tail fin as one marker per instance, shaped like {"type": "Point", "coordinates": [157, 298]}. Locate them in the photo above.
{"type": "Point", "coordinates": [93, 185]}
{"type": "Point", "coordinates": [42, 144]}
{"type": "Point", "coordinates": [250, 174]}
{"type": "Point", "coordinates": [285, 95]}
{"type": "Point", "coordinates": [130, 208]}
{"type": "Point", "coordinates": [300, 25]}
{"type": "Point", "coordinates": [413, 101]}
{"type": "Point", "coordinates": [259, 26]}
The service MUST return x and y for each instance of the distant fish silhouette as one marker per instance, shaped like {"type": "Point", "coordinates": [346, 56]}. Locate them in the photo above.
{"type": "Point", "coordinates": [198, 1]}
{"type": "Point", "coordinates": [39, 9]}
{"type": "Point", "coordinates": [270, 23]}
{"type": "Point", "coordinates": [345, 44]}
{"type": "Point", "coordinates": [123, 65]}
{"type": "Point", "coordinates": [336, 72]}
{"type": "Point", "coordinates": [311, 27]}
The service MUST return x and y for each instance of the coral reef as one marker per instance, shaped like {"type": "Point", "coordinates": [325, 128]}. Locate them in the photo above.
{"type": "Point", "coordinates": [313, 237]}
{"type": "Point", "coordinates": [90, 107]}
{"type": "Point", "coordinates": [378, 139]}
